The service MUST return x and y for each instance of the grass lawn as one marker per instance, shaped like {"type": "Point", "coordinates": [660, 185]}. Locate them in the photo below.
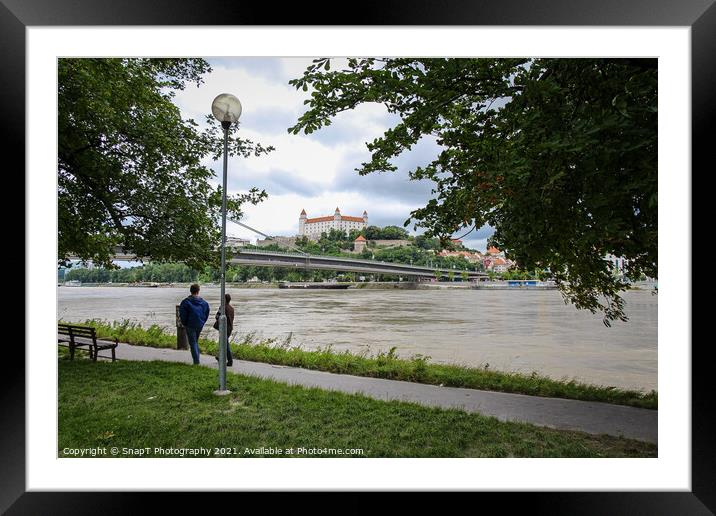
{"type": "Point", "coordinates": [386, 365]}
{"type": "Point", "coordinates": [159, 404]}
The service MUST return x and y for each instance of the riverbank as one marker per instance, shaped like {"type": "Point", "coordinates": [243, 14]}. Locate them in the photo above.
{"type": "Point", "coordinates": [363, 285]}
{"type": "Point", "coordinates": [367, 285]}
{"type": "Point", "coordinates": [386, 365]}
{"type": "Point", "coordinates": [132, 406]}
{"type": "Point", "coordinates": [168, 285]}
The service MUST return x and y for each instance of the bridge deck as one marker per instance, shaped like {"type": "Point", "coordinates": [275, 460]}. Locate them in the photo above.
{"type": "Point", "coordinates": [305, 261]}
{"type": "Point", "coordinates": [296, 260]}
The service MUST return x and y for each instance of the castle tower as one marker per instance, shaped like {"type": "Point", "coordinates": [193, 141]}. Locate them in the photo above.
{"type": "Point", "coordinates": [359, 244]}
{"type": "Point", "coordinates": [365, 217]}
{"type": "Point", "coordinates": [337, 218]}
{"type": "Point", "coordinates": [302, 223]}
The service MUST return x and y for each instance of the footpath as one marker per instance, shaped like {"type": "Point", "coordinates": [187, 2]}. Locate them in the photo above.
{"type": "Point", "coordinates": [586, 416]}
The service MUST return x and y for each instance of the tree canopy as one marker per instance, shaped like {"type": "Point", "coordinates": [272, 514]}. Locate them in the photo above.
{"type": "Point", "coordinates": [384, 233]}
{"type": "Point", "coordinates": [131, 172]}
{"type": "Point", "coordinates": [559, 156]}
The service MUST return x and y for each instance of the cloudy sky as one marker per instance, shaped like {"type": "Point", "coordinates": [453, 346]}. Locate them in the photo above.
{"type": "Point", "coordinates": [314, 172]}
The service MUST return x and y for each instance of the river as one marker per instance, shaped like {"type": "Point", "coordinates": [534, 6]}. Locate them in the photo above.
{"type": "Point", "coordinates": [522, 331]}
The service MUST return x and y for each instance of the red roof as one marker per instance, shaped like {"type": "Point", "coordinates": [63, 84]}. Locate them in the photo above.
{"type": "Point", "coordinates": [493, 250]}
{"type": "Point", "coordinates": [319, 219]}
{"type": "Point", "coordinates": [360, 239]}
{"type": "Point", "coordinates": [331, 217]}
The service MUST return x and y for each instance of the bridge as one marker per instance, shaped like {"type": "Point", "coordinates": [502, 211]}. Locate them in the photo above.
{"type": "Point", "coordinates": [300, 260]}
{"type": "Point", "coordinates": [338, 263]}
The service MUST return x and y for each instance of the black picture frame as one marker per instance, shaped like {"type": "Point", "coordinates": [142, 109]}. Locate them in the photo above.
{"type": "Point", "coordinates": [700, 15]}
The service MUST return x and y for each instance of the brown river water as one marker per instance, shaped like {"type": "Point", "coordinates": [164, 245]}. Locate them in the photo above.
{"type": "Point", "coordinates": [522, 331]}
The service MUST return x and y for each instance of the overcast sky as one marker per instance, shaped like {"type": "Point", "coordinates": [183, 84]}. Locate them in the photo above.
{"type": "Point", "coordinates": [314, 172]}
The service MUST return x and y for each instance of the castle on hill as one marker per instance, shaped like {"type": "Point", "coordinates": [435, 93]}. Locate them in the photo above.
{"type": "Point", "coordinates": [312, 228]}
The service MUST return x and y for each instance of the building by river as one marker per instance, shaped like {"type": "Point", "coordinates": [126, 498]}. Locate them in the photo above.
{"type": "Point", "coordinates": [312, 228]}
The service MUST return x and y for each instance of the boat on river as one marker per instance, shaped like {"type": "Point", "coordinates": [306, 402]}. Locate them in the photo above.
{"type": "Point", "coordinates": [516, 285]}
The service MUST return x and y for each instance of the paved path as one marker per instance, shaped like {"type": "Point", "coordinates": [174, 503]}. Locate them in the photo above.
{"type": "Point", "coordinates": [587, 416]}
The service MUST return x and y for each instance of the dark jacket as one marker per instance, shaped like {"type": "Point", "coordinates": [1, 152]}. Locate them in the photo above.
{"type": "Point", "coordinates": [193, 312]}
{"type": "Point", "coordinates": [229, 318]}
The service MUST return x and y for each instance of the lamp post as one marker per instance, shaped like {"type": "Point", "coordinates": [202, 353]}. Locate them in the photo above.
{"type": "Point", "coordinates": [226, 108]}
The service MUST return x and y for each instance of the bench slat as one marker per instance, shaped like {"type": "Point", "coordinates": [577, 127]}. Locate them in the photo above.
{"type": "Point", "coordinates": [85, 340]}
{"type": "Point", "coordinates": [76, 329]}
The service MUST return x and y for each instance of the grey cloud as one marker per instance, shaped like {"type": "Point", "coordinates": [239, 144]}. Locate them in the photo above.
{"type": "Point", "coordinates": [342, 130]}
{"type": "Point", "coordinates": [376, 218]}
{"type": "Point", "coordinates": [276, 182]}
{"type": "Point", "coordinates": [262, 66]}
{"type": "Point", "coordinates": [390, 185]}
{"type": "Point", "coordinates": [268, 122]}
{"type": "Point", "coordinates": [479, 244]}
{"type": "Point", "coordinates": [482, 233]}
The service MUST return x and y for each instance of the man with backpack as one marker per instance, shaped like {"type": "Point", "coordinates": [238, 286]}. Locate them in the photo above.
{"type": "Point", "coordinates": [193, 312]}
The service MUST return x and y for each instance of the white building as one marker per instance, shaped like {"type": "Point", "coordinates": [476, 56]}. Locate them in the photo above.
{"type": "Point", "coordinates": [312, 228]}
{"type": "Point", "coordinates": [468, 255]}
{"type": "Point", "coordinates": [499, 265]}
{"type": "Point", "coordinates": [232, 241]}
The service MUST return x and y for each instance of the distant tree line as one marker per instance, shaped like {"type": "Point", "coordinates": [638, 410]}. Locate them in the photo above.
{"type": "Point", "coordinates": [180, 273]}
{"type": "Point", "coordinates": [150, 272]}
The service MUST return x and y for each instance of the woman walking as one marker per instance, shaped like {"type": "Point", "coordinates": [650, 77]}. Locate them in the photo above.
{"type": "Point", "coordinates": [229, 327]}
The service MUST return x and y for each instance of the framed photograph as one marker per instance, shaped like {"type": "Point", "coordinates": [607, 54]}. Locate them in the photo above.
{"type": "Point", "coordinates": [414, 250]}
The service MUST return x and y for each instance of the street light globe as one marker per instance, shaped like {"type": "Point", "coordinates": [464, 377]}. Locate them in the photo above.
{"type": "Point", "coordinates": [226, 108]}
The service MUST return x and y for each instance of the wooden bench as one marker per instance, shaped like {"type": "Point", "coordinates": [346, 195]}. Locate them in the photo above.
{"type": "Point", "coordinates": [76, 336]}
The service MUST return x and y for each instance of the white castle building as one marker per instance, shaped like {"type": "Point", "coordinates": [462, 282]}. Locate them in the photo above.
{"type": "Point", "coordinates": [312, 228]}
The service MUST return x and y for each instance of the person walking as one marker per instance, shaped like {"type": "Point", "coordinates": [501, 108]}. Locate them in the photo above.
{"type": "Point", "coordinates": [229, 327]}
{"type": "Point", "coordinates": [193, 312]}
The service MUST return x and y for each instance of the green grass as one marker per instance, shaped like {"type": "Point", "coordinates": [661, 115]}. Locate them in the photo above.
{"type": "Point", "coordinates": [386, 365]}
{"type": "Point", "coordinates": [135, 405]}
